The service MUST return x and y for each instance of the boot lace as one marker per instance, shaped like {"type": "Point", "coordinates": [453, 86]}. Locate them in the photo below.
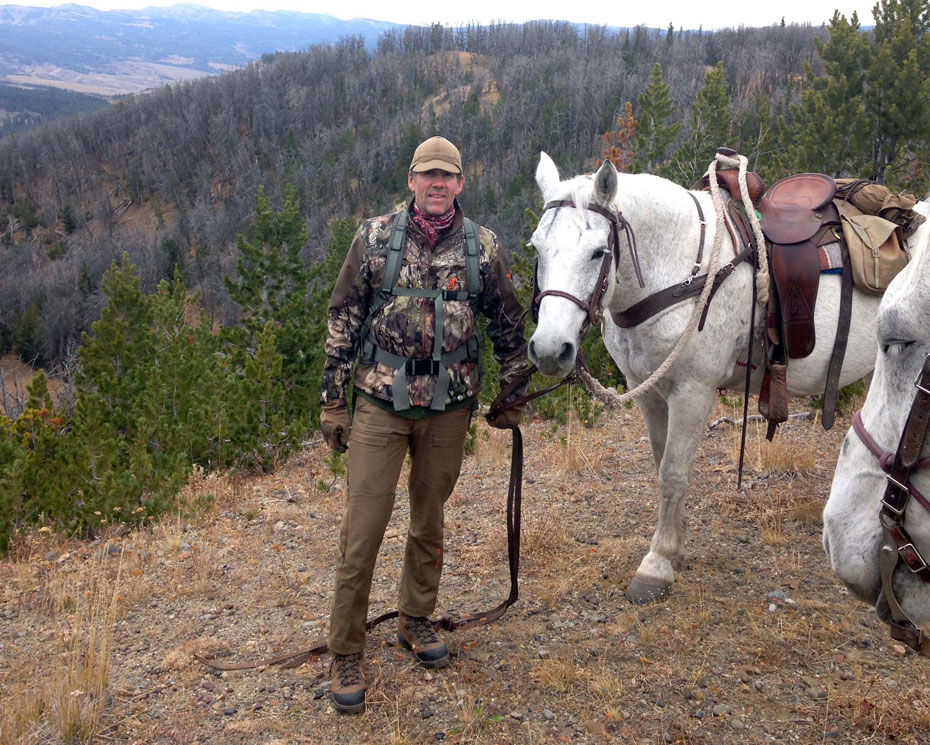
{"type": "Point", "coordinates": [348, 669]}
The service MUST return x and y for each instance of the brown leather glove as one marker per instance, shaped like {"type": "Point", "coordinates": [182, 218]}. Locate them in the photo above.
{"type": "Point", "coordinates": [506, 419]}
{"type": "Point", "coordinates": [335, 426]}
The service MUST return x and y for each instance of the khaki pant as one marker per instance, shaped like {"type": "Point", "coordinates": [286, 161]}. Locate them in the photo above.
{"type": "Point", "coordinates": [377, 446]}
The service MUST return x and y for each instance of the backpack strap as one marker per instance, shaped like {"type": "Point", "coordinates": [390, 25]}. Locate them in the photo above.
{"type": "Point", "coordinates": [471, 260]}
{"type": "Point", "coordinates": [437, 364]}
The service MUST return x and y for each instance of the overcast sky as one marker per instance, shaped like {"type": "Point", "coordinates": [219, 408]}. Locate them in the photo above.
{"type": "Point", "coordinates": [682, 13]}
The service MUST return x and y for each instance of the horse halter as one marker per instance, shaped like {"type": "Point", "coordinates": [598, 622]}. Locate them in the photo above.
{"type": "Point", "coordinates": [593, 307]}
{"type": "Point", "coordinates": [898, 547]}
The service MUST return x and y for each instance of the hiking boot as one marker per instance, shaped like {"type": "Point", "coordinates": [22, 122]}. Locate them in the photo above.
{"type": "Point", "coordinates": [417, 635]}
{"type": "Point", "coordinates": [348, 689]}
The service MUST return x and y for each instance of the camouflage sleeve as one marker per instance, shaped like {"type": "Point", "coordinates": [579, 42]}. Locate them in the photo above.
{"type": "Point", "coordinates": [348, 309]}
{"type": "Point", "coordinates": [500, 305]}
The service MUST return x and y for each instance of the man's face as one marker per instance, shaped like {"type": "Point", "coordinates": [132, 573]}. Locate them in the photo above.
{"type": "Point", "coordinates": [435, 190]}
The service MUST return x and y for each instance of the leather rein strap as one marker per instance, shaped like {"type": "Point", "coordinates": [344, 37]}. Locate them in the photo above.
{"type": "Point", "coordinates": [898, 547]}
{"type": "Point", "coordinates": [504, 401]}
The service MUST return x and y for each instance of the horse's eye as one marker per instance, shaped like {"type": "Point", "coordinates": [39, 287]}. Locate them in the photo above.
{"type": "Point", "coordinates": [598, 254]}
{"type": "Point", "coordinates": [895, 346]}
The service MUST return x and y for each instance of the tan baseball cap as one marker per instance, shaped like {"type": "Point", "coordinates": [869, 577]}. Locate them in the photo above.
{"type": "Point", "coordinates": [436, 152]}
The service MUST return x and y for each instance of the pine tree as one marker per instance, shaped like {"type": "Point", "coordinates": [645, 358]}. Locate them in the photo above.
{"type": "Point", "coordinates": [710, 129]}
{"type": "Point", "coordinates": [654, 135]}
{"type": "Point", "coordinates": [869, 115]}
{"type": "Point", "coordinates": [274, 287]}
{"type": "Point", "coordinates": [620, 142]}
{"type": "Point", "coordinates": [830, 131]}
{"type": "Point", "coordinates": [897, 99]}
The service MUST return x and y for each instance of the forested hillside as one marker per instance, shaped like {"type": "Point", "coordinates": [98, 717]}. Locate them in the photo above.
{"type": "Point", "coordinates": [25, 106]}
{"type": "Point", "coordinates": [243, 190]}
{"type": "Point", "coordinates": [172, 176]}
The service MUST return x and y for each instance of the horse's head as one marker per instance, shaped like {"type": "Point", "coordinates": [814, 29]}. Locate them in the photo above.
{"type": "Point", "coordinates": [852, 534]}
{"type": "Point", "coordinates": [574, 240]}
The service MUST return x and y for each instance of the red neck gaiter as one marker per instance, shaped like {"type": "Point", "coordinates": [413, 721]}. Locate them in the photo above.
{"type": "Point", "coordinates": [433, 227]}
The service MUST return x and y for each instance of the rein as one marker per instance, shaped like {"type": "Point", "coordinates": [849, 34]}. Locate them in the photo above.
{"type": "Point", "coordinates": [898, 547]}
{"type": "Point", "coordinates": [448, 621]}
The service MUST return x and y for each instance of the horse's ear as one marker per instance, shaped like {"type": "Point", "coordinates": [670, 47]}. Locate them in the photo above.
{"type": "Point", "coordinates": [547, 175]}
{"type": "Point", "coordinates": [605, 183]}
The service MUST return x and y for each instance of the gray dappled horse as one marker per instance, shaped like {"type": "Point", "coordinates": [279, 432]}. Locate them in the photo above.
{"type": "Point", "coordinates": [853, 535]}
{"type": "Point", "coordinates": [571, 241]}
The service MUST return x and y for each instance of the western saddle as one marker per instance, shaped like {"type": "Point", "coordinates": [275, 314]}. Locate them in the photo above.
{"type": "Point", "coordinates": [802, 229]}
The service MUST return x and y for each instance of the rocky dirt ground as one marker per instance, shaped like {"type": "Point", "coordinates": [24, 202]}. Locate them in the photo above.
{"type": "Point", "coordinates": [757, 643]}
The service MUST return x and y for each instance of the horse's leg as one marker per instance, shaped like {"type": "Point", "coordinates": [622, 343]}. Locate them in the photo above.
{"type": "Point", "coordinates": [689, 405]}
{"type": "Point", "coordinates": [655, 413]}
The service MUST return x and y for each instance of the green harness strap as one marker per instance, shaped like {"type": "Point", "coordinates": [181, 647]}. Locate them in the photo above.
{"type": "Point", "coordinates": [439, 362]}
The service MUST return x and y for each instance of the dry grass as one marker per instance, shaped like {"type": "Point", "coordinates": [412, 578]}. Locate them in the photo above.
{"type": "Point", "coordinates": [68, 705]}
{"type": "Point", "coordinates": [601, 669]}
{"type": "Point", "coordinates": [558, 675]}
{"type": "Point", "coordinates": [782, 457]}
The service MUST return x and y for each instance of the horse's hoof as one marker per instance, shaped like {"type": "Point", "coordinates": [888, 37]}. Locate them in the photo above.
{"type": "Point", "coordinates": [642, 591]}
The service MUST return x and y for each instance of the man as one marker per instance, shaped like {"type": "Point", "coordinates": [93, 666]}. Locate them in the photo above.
{"type": "Point", "coordinates": [405, 305]}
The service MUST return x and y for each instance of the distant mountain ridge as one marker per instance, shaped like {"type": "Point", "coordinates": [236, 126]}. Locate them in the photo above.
{"type": "Point", "coordinates": [125, 51]}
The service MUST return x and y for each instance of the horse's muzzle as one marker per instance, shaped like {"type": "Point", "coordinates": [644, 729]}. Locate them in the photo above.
{"type": "Point", "coordinates": [552, 359]}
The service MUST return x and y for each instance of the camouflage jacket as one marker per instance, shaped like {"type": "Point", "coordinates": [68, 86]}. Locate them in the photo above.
{"type": "Point", "coordinates": [405, 325]}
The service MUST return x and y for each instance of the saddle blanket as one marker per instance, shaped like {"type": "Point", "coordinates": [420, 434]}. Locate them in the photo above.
{"type": "Point", "coordinates": [831, 258]}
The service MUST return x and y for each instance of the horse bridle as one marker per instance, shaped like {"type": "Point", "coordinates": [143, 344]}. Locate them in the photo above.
{"type": "Point", "coordinates": [592, 308]}
{"type": "Point", "coordinates": [898, 548]}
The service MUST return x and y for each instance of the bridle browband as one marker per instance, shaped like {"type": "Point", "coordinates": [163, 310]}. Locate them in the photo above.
{"type": "Point", "coordinates": [593, 307]}
{"type": "Point", "coordinates": [898, 547]}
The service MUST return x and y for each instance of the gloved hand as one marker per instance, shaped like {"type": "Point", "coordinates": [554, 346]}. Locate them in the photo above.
{"type": "Point", "coordinates": [334, 424]}
{"type": "Point", "coordinates": [506, 419]}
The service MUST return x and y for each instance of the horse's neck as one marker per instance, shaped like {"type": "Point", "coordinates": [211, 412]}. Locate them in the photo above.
{"type": "Point", "coordinates": [667, 227]}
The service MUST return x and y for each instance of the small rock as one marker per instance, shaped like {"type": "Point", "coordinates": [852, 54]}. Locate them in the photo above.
{"type": "Point", "coordinates": [721, 709]}
{"type": "Point", "coordinates": [899, 649]}
{"type": "Point", "coordinates": [548, 715]}
{"type": "Point", "coordinates": [772, 607]}
{"type": "Point", "coordinates": [51, 556]}
{"type": "Point", "coordinates": [439, 736]}
{"type": "Point", "coordinates": [302, 568]}
{"type": "Point", "coordinates": [516, 715]}
{"type": "Point", "coordinates": [229, 712]}
{"type": "Point", "coordinates": [596, 728]}
{"type": "Point", "coordinates": [427, 712]}
{"type": "Point", "coordinates": [699, 714]}
{"type": "Point", "coordinates": [776, 595]}
{"type": "Point", "coordinates": [757, 684]}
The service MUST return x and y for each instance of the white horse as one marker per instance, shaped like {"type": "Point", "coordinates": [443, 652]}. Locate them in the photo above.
{"type": "Point", "coordinates": [570, 243]}
{"type": "Point", "coordinates": [852, 534]}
